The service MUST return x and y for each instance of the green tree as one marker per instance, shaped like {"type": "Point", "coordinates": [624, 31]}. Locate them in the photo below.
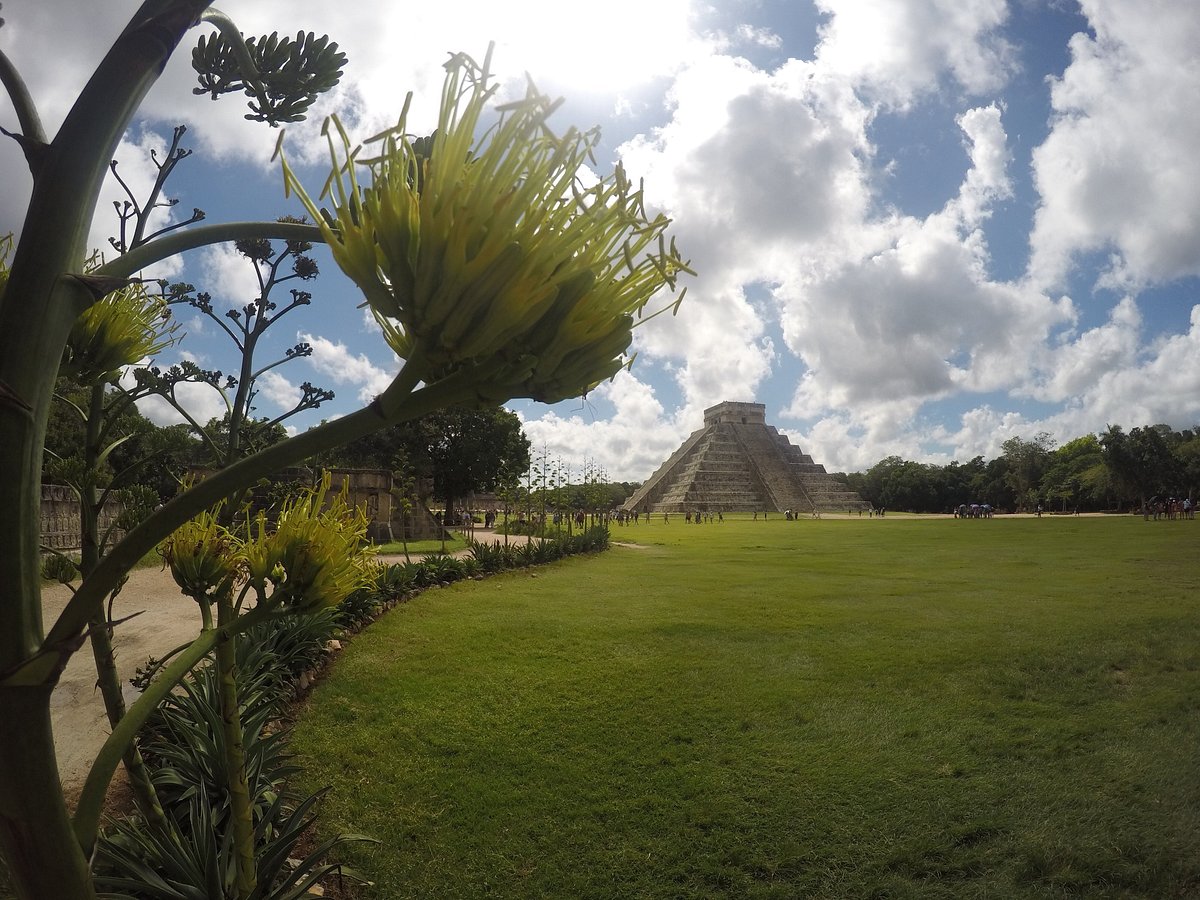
{"type": "Point", "coordinates": [460, 450]}
{"type": "Point", "coordinates": [960, 482]}
{"type": "Point", "coordinates": [1075, 475]}
{"type": "Point", "coordinates": [1027, 461]}
{"type": "Point", "coordinates": [466, 450]}
{"type": "Point", "coordinates": [1140, 463]}
{"type": "Point", "coordinates": [1187, 456]}
{"type": "Point", "coordinates": [910, 486]}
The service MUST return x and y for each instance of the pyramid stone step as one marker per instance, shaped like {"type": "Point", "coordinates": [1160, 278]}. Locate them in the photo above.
{"type": "Point", "coordinates": [737, 462]}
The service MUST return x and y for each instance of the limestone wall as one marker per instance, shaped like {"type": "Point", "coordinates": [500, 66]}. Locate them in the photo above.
{"type": "Point", "coordinates": [60, 519]}
{"type": "Point", "coordinates": [369, 489]}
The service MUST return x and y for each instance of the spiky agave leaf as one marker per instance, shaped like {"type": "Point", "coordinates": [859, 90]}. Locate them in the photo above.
{"type": "Point", "coordinates": [502, 249]}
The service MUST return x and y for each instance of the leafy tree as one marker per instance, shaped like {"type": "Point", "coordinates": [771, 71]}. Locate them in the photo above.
{"type": "Point", "coordinates": [1075, 475]}
{"type": "Point", "coordinates": [253, 436]}
{"type": "Point", "coordinates": [993, 486]}
{"type": "Point", "coordinates": [465, 451]}
{"type": "Point", "coordinates": [874, 480]}
{"type": "Point", "coordinates": [1027, 461]}
{"type": "Point", "coordinates": [1187, 456]}
{"type": "Point", "coordinates": [960, 482]}
{"type": "Point", "coordinates": [1140, 463]}
{"type": "Point", "coordinates": [910, 486]}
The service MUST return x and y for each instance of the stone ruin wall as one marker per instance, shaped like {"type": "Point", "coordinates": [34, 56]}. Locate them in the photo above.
{"type": "Point", "coordinates": [369, 489]}
{"type": "Point", "coordinates": [60, 519]}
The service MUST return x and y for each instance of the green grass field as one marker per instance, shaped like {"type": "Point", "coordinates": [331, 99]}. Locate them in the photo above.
{"type": "Point", "coordinates": [458, 542]}
{"type": "Point", "coordinates": [835, 708]}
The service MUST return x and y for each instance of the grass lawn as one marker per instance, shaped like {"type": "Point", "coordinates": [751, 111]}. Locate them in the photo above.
{"type": "Point", "coordinates": [451, 545]}
{"type": "Point", "coordinates": [998, 708]}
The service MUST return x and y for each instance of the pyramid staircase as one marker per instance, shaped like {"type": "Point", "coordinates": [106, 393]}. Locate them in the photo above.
{"type": "Point", "coordinates": [738, 463]}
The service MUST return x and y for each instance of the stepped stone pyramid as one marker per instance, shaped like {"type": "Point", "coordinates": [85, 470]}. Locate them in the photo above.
{"type": "Point", "coordinates": [739, 463]}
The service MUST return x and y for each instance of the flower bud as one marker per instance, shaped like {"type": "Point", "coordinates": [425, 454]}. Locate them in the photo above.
{"type": "Point", "coordinates": [202, 555]}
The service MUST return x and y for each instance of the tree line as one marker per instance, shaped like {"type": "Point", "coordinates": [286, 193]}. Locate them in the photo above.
{"type": "Point", "coordinates": [1111, 471]}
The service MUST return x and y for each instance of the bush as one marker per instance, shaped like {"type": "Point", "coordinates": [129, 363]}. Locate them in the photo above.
{"type": "Point", "coordinates": [359, 609]}
{"type": "Point", "coordinates": [443, 569]}
{"type": "Point", "coordinates": [183, 745]}
{"type": "Point", "coordinates": [59, 567]}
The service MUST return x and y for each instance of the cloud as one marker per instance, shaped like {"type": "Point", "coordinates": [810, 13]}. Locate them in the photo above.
{"type": "Point", "coordinates": [1075, 367]}
{"type": "Point", "coordinates": [335, 361]}
{"type": "Point", "coordinates": [898, 49]}
{"type": "Point", "coordinates": [1118, 171]}
{"type": "Point", "coordinates": [228, 276]}
{"type": "Point", "coordinates": [628, 445]}
{"type": "Point", "coordinates": [277, 389]}
{"type": "Point", "coordinates": [761, 37]}
{"type": "Point", "coordinates": [872, 318]}
{"type": "Point", "coordinates": [202, 401]}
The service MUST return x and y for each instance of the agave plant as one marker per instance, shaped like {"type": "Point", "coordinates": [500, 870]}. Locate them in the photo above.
{"type": "Point", "coordinates": [395, 582]}
{"type": "Point", "coordinates": [194, 860]}
{"type": "Point", "coordinates": [443, 568]}
{"type": "Point", "coordinates": [186, 745]}
{"type": "Point", "coordinates": [192, 855]}
{"type": "Point", "coordinates": [359, 609]}
{"type": "Point", "coordinates": [317, 553]}
{"type": "Point", "coordinates": [417, 574]}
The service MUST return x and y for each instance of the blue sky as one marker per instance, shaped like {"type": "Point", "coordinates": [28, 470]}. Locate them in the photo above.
{"type": "Point", "coordinates": [920, 227]}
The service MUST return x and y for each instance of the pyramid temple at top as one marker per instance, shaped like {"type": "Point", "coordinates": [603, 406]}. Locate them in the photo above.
{"type": "Point", "coordinates": [739, 463]}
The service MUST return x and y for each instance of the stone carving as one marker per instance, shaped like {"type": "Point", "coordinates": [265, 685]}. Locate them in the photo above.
{"type": "Point", "coordinates": [739, 463]}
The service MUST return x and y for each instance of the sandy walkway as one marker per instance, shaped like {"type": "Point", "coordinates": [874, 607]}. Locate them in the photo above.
{"type": "Point", "coordinates": [165, 619]}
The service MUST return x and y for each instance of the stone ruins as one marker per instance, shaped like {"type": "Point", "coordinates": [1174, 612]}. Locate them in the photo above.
{"type": "Point", "coordinates": [739, 463]}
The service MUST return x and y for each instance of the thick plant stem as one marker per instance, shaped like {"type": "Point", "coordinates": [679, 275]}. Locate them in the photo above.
{"type": "Point", "coordinates": [241, 806]}
{"type": "Point", "coordinates": [44, 859]}
{"type": "Point", "coordinates": [37, 309]}
{"type": "Point", "coordinates": [99, 628]}
{"type": "Point", "coordinates": [109, 681]}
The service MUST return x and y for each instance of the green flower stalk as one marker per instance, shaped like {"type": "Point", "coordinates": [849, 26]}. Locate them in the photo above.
{"type": "Point", "coordinates": [120, 329]}
{"type": "Point", "coordinates": [503, 250]}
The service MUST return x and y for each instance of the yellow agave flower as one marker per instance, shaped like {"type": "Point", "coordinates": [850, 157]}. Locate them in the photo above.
{"type": "Point", "coordinates": [117, 330]}
{"type": "Point", "coordinates": [258, 551]}
{"type": "Point", "coordinates": [202, 556]}
{"type": "Point", "coordinates": [502, 249]}
{"type": "Point", "coordinates": [317, 557]}
{"type": "Point", "coordinates": [6, 244]}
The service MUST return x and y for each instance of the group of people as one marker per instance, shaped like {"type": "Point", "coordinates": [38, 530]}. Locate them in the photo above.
{"type": "Point", "coordinates": [1171, 508]}
{"type": "Point", "coordinates": [976, 511]}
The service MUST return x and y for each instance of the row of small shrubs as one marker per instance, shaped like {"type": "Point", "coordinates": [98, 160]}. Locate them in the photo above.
{"type": "Point", "coordinates": [400, 581]}
{"type": "Point", "coordinates": [182, 744]}
{"type": "Point", "coordinates": [496, 557]}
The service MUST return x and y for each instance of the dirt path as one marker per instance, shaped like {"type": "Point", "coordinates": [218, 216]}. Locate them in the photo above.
{"type": "Point", "coordinates": [162, 619]}
{"type": "Point", "coordinates": [165, 619]}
